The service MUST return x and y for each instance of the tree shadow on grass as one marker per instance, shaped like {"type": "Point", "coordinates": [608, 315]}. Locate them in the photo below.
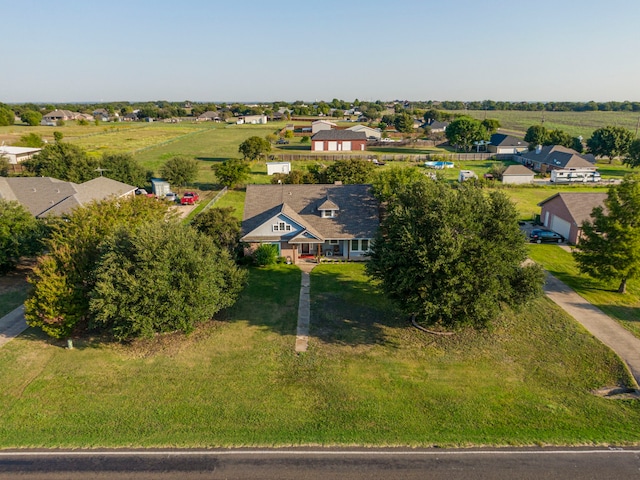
{"type": "Point", "coordinates": [212, 159]}
{"type": "Point", "coordinates": [350, 311]}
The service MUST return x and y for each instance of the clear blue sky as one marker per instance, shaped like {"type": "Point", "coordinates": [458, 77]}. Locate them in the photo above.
{"type": "Point", "coordinates": [250, 50]}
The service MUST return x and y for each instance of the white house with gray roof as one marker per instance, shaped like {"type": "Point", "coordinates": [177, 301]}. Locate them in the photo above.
{"type": "Point", "coordinates": [337, 221]}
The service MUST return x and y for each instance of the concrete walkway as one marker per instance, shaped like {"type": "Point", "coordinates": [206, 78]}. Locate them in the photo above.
{"type": "Point", "coordinates": [600, 325]}
{"type": "Point", "coordinates": [304, 308]}
{"type": "Point", "coordinates": [12, 325]}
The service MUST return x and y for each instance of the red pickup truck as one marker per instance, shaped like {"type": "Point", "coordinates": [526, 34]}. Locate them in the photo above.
{"type": "Point", "coordinates": [189, 198]}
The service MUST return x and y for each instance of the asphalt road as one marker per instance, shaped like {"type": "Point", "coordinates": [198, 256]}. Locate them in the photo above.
{"type": "Point", "coordinates": [325, 464]}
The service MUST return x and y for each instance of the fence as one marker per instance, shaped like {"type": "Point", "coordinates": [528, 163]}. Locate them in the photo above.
{"type": "Point", "coordinates": [391, 157]}
{"type": "Point", "coordinates": [214, 200]}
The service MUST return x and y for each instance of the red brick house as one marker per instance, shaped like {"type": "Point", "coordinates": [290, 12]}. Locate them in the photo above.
{"type": "Point", "coordinates": [564, 213]}
{"type": "Point", "coordinates": [338, 141]}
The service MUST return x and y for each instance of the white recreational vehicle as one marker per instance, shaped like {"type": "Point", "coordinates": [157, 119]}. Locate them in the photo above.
{"type": "Point", "coordinates": [573, 176]}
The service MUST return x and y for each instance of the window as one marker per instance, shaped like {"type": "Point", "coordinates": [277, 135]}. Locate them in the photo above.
{"type": "Point", "coordinates": [327, 213]}
{"type": "Point", "coordinates": [281, 227]}
{"type": "Point", "coordinates": [360, 245]}
{"type": "Point", "coordinates": [333, 242]}
{"type": "Point", "coordinates": [275, 227]}
{"type": "Point", "coordinates": [354, 245]}
{"type": "Point", "coordinates": [364, 245]}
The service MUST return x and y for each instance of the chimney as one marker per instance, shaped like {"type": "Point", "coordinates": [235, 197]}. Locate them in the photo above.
{"type": "Point", "coordinates": [538, 149]}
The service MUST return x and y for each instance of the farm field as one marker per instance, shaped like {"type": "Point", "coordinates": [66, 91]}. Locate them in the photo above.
{"type": "Point", "coordinates": [574, 123]}
{"type": "Point", "coordinates": [368, 379]}
{"type": "Point", "coordinates": [623, 307]}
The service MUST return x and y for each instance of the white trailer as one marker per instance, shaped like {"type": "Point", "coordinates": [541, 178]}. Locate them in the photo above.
{"type": "Point", "coordinates": [278, 167]}
{"type": "Point", "coordinates": [574, 176]}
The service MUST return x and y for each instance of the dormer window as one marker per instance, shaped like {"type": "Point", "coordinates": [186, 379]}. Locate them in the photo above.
{"type": "Point", "coordinates": [327, 213]}
{"type": "Point", "coordinates": [328, 209]}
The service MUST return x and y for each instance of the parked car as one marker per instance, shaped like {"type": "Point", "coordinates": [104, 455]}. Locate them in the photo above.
{"type": "Point", "coordinates": [171, 197]}
{"type": "Point", "coordinates": [189, 198]}
{"type": "Point", "coordinates": [282, 141]}
{"type": "Point", "coordinates": [539, 235]}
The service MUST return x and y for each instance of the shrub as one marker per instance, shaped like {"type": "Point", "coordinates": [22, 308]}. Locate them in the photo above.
{"type": "Point", "coordinates": [266, 254]}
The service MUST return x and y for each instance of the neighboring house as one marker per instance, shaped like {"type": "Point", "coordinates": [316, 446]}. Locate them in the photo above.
{"type": "Point", "coordinates": [505, 144]}
{"type": "Point", "coordinates": [320, 125]}
{"type": "Point", "coordinates": [130, 117]}
{"type": "Point", "coordinates": [209, 116]}
{"type": "Point", "coordinates": [338, 141]}
{"type": "Point", "coordinates": [101, 114]}
{"type": "Point", "coordinates": [252, 119]}
{"type": "Point", "coordinates": [437, 127]}
{"type": "Point", "coordinates": [371, 133]}
{"type": "Point", "coordinates": [45, 196]}
{"type": "Point", "coordinates": [278, 167]}
{"type": "Point", "coordinates": [52, 118]}
{"type": "Point", "coordinates": [517, 175]}
{"type": "Point", "coordinates": [564, 213]}
{"type": "Point", "coordinates": [16, 155]}
{"type": "Point", "coordinates": [557, 157]}
{"type": "Point", "coordinates": [311, 220]}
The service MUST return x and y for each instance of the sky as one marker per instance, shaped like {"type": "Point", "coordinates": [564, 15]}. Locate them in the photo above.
{"type": "Point", "coordinates": [259, 50]}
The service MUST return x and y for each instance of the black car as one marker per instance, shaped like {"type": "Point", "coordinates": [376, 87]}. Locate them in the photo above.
{"type": "Point", "coordinates": [539, 235]}
{"type": "Point", "coordinates": [282, 141]}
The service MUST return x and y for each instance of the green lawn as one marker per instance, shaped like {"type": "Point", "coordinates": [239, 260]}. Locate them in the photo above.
{"type": "Point", "coordinates": [367, 379]}
{"type": "Point", "coordinates": [623, 307]}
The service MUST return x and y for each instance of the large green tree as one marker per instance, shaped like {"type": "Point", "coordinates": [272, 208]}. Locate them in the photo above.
{"type": "Point", "coordinates": [633, 155]}
{"type": "Point", "coordinates": [63, 161]}
{"type": "Point", "coordinates": [254, 147]}
{"type": "Point", "coordinates": [352, 171]}
{"type": "Point", "coordinates": [390, 182]}
{"type": "Point", "coordinates": [161, 277]}
{"type": "Point", "coordinates": [31, 117]}
{"type": "Point", "coordinates": [180, 170]}
{"type": "Point", "coordinates": [610, 245]}
{"type": "Point", "coordinates": [20, 234]}
{"type": "Point", "coordinates": [7, 117]}
{"type": "Point", "coordinates": [452, 256]}
{"type": "Point", "coordinates": [536, 135]}
{"type": "Point", "coordinates": [463, 131]}
{"type": "Point", "coordinates": [232, 172]}
{"type": "Point", "coordinates": [220, 225]}
{"type": "Point", "coordinates": [63, 279]}
{"type": "Point", "coordinates": [611, 142]}
{"type": "Point", "coordinates": [124, 168]}
{"type": "Point", "coordinates": [403, 122]}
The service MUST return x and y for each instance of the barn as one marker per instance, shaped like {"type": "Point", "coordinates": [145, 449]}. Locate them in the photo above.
{"type": "Point", "coordinates": [338, 141]}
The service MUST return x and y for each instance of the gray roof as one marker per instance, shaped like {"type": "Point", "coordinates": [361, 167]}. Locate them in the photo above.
{"type": "Point", "coordinates": [518, 170]}
{"type": "Point", "coordinates": [578, 205]}
{"type": "Point", "coordinates": [44, 196]}
{"type": "Point", "coordinates": [560, 157]}
{"type": "Point", "coordinates": [502, 140]}
{"type": "Point", "coordinates": [357, 216]}
{"type": "Point", "coordinates": [339, 135]}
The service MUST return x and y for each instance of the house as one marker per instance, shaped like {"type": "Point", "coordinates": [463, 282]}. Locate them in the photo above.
{"type": "Point", "coordinates": [45, 196]}
{"type": "Point", "coordinates": [338, 141]}
{"type": "Point", "coordinates": [251, 119]}
{"type": "Point", "coordinates": [16, 155]}
{"type": "Point", "coordinates": [436, 127]}
{"type": "Point", "coordinates": [557, 157]}
{"type": "Point", "coordinates": [278, 167]}
{"type": "Point", "coordinates": [371, 133]}
{"type": "Point", "coordinates": [209, 116]}
{"type": "Point", "coordinates": [505, 144]}
{"type": "Point", "coordinates": [564, 213]}
{"type": "Point", "coordinates": [130, 117]}
{"type": "Point", "coordinates": [102, 115]}
{"type": "Point", "coordinates": [51, 119]}
{"type": "Point", "coordinates": [311, 220]}
{"type": "Point", "coordinates": [517, 175]}
{"type": "Point", "coordinates": [320, 125]}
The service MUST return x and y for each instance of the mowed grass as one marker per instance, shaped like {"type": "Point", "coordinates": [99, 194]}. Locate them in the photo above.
{"type": "Point", "coordinates": [623, 307]}
{"type": "Point", "coordinates": [367, 379]}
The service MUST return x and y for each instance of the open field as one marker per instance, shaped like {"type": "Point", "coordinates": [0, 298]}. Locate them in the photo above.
{"type": "Point", "coordinates": [574, 123]}
{"type": "Point", "coordinates": [368, 379]}
{"type": "Point", "coordinates": [623, 307]}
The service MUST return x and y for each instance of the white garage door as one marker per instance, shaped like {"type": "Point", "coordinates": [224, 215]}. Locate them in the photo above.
{"type": "Point", "coordinates": [332, 146]}
{"type": "Point", "coordinates": [346, 146]}
{"type": "Point", "coordinates": [318, 146]}
{"type": "Point", "coordinates": [560, 226]}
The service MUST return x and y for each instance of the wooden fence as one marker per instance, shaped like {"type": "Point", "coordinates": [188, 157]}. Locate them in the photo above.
{"type": "Point", "coordinates": [390, 157]}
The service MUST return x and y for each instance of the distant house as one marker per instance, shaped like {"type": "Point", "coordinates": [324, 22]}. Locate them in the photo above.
{"type": "Point", "coordinates": [557, 157]}
{"type": "Point", "coordinates": [371, 133]}
{"type": "Point", "coordinates": [130, 117]}
{"type": "Point", "coordinates": [320, 125]}
{"type": "Point", "coordinates": [564, 213]}
{"type": "Point", "coordinates": [338, 141]}
{"type": "Point", "coordinates": [45, 196]}
{"type": "Point", "coordinates": [506, 144]}
{"type": "Point", "coordinates": [209, 116]}
{"type": "Point", "coordinates": [517, 175]}
{"type": "Point", "coordinates": [52, 118]}
{"type": "Point", "coordinates": [15, 155]}
{"type": "Point", "coordinates": [436, 127]}
{"type": "Point", "coordinates": [251, 119]}
{"type": "Point", "coordinates": [101, 114]}
{"type": "Point", "coordinates": [311, 220]}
